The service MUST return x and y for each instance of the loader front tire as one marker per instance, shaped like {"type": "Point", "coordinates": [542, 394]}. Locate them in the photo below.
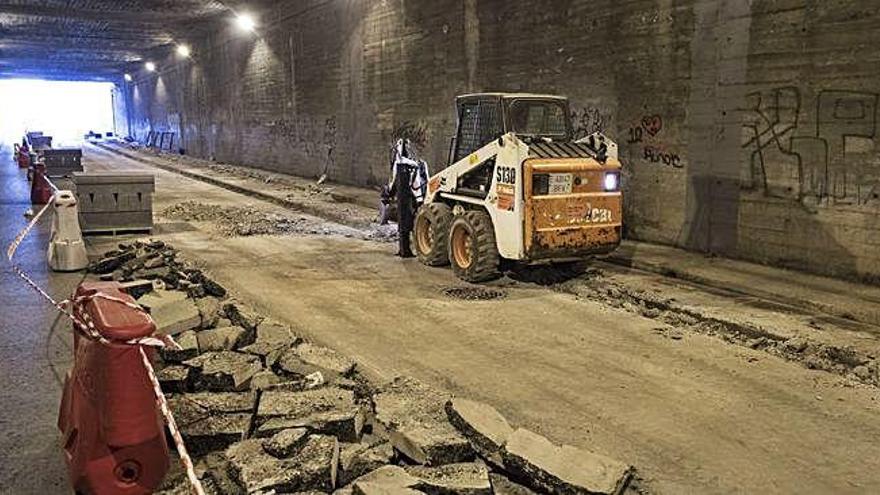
{"type": "Point", "coordinates": [430, 236]}
{"type": "Point", "coordinates": [473, 252]}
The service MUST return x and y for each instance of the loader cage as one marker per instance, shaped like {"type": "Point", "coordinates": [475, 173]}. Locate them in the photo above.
{"type": "Point", "coordinates": [479, 121]}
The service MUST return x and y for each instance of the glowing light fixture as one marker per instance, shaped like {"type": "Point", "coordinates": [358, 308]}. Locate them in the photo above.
{"type": "Point", "coordinates": [183, 51]}
{"type": "Point", "coordinates": [150, 66]}
{"type": "Point", "coordinates": [245, 22]}
{"type": "Point", "coordinates": [127, 77]}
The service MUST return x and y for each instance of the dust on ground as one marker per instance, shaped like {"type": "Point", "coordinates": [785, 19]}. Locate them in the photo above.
{"type": "Point", "coordinates": [242, 221]}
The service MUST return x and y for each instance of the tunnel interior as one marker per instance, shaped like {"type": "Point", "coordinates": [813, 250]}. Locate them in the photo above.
{"type": "Point", "coordinates": [692, 305]}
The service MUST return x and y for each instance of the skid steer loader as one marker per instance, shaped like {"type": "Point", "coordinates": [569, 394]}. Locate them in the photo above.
{"type": "Point", "coordinates": [519, 189]}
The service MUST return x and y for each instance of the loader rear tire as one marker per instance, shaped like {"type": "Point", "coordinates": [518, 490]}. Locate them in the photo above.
{"type": "Point", "coordinates": [430, 236]}
{"type": "Point", "coordinates": [473, 252]}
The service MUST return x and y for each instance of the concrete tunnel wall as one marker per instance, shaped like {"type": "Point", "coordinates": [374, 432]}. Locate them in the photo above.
{"type": "Point", "coordinates": [747, 128]}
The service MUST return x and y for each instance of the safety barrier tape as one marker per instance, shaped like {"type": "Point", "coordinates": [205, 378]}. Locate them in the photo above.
{"type": "Point", "coordinates": [84, 324]}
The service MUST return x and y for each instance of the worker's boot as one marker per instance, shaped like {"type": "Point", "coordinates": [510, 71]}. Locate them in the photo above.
{"type": "Point", "coordinates": [404, 250]}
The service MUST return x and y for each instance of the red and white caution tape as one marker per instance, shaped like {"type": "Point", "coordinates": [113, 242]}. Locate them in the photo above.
{"type": "Point", "coordinates": [83, 323]}
{"type": "Point", "coordinates": [172, 426]}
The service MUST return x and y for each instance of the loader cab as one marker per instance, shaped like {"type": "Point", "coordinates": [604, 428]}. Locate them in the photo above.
{"type": "Point", "coordinates": [486, 116]}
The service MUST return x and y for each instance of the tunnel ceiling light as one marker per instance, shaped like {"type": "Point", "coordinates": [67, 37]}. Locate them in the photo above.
{"type": "Point", "coordinates": [150, 66]}
{"type": "Point", "coordinates": [183, 50]}
{"type": "Point", "coordinates": [245, 22]}
{"type": "Point", "coordinates": [127, 77]}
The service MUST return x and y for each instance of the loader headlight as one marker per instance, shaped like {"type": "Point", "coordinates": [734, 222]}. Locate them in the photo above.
{"type": "Point", "coordinates": [612, 181]}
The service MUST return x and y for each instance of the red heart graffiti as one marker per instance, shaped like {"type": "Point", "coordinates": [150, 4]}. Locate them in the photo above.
{"type": "Point", "coordinates": [652, 124]}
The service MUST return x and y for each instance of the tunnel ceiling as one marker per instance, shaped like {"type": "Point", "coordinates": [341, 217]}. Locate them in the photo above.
{"type": "Point", "coordinates": [97, 39]}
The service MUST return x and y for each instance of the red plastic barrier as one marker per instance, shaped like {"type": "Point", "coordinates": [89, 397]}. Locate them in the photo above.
{"type": "Point", "coordinates": [24, 156]}
{"type": "Point", "coordinates": [114, 440]}
{"type": "Point", "coordinates": [41, 190]}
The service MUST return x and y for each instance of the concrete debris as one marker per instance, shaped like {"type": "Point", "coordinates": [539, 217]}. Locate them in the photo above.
{"type": "Point", "coordinates": [172, 311]}
{"type": "Point", "coordinates": [264, 380]}
{"type": "Point", "coordinates": [270, 353]}
{"type": "Point", "coordinates": [501, 485]}
{"type": "Point", "coordinates": [562, 469]}
{"type": "Point", "coordinates": [313, 468]}
{"type": "Point", "coordinates": [328, 410]}
{"type": "Point", "coordinates": [798, 348]}
{"type": "Point", "coordinates": [212, 470]}
{"type": "Point", "coordinates": [209, 311]}
{"type": "Point", "coordinates": [138, 288]}
{"type": "Point", "coordinates": [154, 261]}
{"type": "Point", "coordinates": [142, 259]}
{"type": "Point", "coordinates": [382, 233]}
{"type": "Point", "coordinates": [222, 339]}
{"type": "Point", "coordinates": [306, 359]}
{"type": "Point", "coordinates": [216, 473]}
{"type": "Point", "coordinates": [285, 443]}
{"type": "Point", "coordinates": [212, 421]}
{"type": "Point", "coordinates": [224, 371]}
{"type": "Point", "coordinates": [241, 316]}
{"type": "Point", "coordinates": [414, 417]}
{"type": "Point", "coordinates": [485, 428]}
{"type": "Point", "coordinates": [234, 221]}
{"type": "Point", "coordinates": [358, 459]}
{"type": "Point", "coordinates": [461, 479]}
{"type": "Point", "coordinates": [209, 286]}
{"type": "Point", "coordinates": [195, 291]}
{"type": "Point", "coordinates": [231, 221]}
{"type": "Point", "coordinates": [151, 274]}
{"type": "Point", "coordinates": [111, 261]}
{"type": "Point", "coordinates": [189, 343]}
{"type": "Point", "coordinates": [271, 332]}
{"type": "Point", "coordinates": [216, 402]}
{"type": "Point", "coordinates": [174, 378]}
{"type": "Point", "coordinates": [256, 470]}
{"type": "Point", "coordinates": [387, 480]}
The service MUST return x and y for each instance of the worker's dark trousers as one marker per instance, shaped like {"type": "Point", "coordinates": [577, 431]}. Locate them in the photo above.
{"type": "Point", "coordinates": [405, 211]}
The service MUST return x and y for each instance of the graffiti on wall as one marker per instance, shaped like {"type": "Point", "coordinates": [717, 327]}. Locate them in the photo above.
{"type": "Point", "coordinates": [314, 138]}
{"type": "Point", "coordinates": [831, 159]}
{"type": "Point", "coordinates": [329, 143]}
{"type": "Point", "coordinates": [588, 120]}
{"type": "Point", "coordinates": [646, 136]}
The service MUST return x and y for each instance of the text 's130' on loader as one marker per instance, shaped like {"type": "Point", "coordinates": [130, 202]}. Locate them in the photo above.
{"type": "Point", "coordinates": [519, 189]}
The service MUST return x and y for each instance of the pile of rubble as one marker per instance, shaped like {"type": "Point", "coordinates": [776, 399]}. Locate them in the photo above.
{"type": "Point", "coordinates": [264, 411]}
{"type": "Point", "coordinates": [235, 221]}
{"type": "Point", "coordinates": [854, 364]}
{"type": "Point", "coordinates": [239, 221]}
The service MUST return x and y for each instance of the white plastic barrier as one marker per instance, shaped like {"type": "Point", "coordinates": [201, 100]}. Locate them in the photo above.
{"type": "Point", "coordinates": [67, 251]}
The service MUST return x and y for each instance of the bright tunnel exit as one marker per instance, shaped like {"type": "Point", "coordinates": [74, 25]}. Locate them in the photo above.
{"type": "Point", "coordinates": [65, 110]}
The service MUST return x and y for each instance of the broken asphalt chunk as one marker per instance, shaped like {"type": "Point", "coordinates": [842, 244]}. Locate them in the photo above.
{"type": "Point", "coordinates": [485, 428]}
{"type": "Point", "coordinates": [550, 468]}
{"type": "Point", "coordinates": [414, 417]}
{"type": "Point", "coordinates": [223, 371]}
{"type": "Point", "coordinates": [328, 410]}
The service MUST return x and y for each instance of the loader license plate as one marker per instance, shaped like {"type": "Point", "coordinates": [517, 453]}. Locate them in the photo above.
{"type": "Point", "coordinates": [560, 184]}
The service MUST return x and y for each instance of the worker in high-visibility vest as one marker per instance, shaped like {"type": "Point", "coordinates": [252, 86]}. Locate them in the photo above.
{"type": "Point", "coordinates": [409, 180]}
